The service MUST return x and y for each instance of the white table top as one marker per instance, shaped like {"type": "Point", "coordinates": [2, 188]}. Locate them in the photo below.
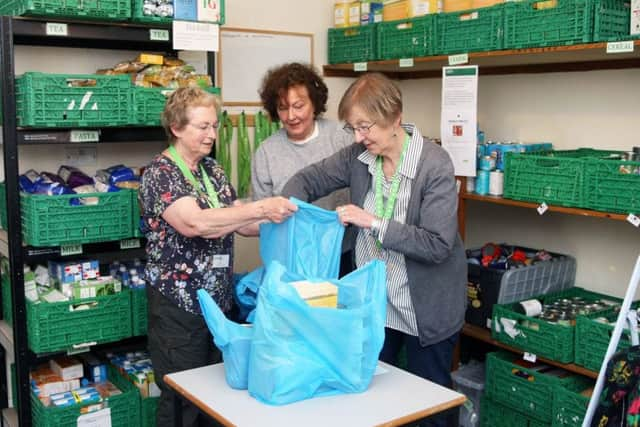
{"type": "Point", "coordinates": [394, 397]}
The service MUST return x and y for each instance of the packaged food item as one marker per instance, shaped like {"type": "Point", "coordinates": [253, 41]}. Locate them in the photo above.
{"type": "Point", "coordinates": [323, 294]}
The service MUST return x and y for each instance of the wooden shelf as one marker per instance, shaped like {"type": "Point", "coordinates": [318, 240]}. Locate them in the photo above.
{"type": "Point", "coordinates": [582, 57]}
{"type": "Point", "coordinates": [571, 211]}
{"type": "Point", "coordinates": [484, 335]}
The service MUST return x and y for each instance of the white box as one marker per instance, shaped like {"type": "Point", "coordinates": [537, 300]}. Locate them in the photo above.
{"type": "Point", "coordinates": [635, 17]}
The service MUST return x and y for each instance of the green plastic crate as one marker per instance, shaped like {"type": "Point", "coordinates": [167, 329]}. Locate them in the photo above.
{"type": "Point", "coordinates": [569, 407]}
{"type": "Point", "coordinates": [53, 220]}
{"type": "Point", "coordinates": [149, 410]}
{"type": "Point", "coordinates": [124, 407]}
{"type": "Point", "coordinates": [104, 10]}
{"type": "Point", "coordinates": [528, 24]}
{"type": "Point", "coordinates": [523, 389]}
{"type": "Point", "coordinates": [612, 185]}
{"type": "Point", "coordinates": [5, 283]}
{"type": "Point", "coordinates": [56, 100]}
{"type": "Point", "coordinates": [593, 336]}
{"type": "Point", "coordinates": [611, 22]}
{"type": "Point", "coordinates": [137, 15]}
{"type": "Point", "coordinates": [353, 44]}
{"type": "Point", "coordinates": [493, 414]}
{"type": "Point", "coordinates": [469, 31]}
{"type": "Point", "coordinates": [148, 103]}
{"type": "Point", "coordinates": [551, 340]}
{"type": "Point", "coordinates": [139, 311]}
{"type": "Point", "coordinates": [408, 38]}
{"type": "Point", "coordinates": [63, 325]}
{"type": "Point", "coordinates": [555, 177]}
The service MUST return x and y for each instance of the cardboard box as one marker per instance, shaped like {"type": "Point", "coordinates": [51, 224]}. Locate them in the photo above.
{"type": "Point", "coordinates": [185, 10]}
{"type": "Point", "coordinates": [321, 294]}
{"type": "Point", "coordinates": [68, 368]}
{"type": "Point", "coordinates": [209, 11]}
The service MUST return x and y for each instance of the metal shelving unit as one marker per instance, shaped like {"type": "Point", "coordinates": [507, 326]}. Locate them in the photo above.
{"type": "Point", "coordinates": [33, 31]}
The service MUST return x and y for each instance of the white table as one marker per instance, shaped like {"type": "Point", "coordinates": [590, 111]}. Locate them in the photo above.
{"type": "Point", "coordinates": [394, 398]}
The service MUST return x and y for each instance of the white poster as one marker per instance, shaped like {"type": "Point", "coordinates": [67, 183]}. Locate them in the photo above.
{"type": "Point", "coordinates": [101, 418]}
{"type": "Point", "coordinates": [459, 119]}
{"type": "Point", "coordinates": [188, 35]}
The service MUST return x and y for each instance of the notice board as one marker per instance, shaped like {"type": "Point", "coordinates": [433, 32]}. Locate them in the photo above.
{"type": "Point", "coordinates": [245, 56]}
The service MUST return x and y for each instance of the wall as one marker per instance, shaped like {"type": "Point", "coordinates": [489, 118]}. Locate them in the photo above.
{"type": "Point", "coordinates": [589, 109]}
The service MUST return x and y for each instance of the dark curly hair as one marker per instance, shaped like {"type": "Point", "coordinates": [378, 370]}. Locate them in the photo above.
{"type": "Point", "coordinates": [278, 80]}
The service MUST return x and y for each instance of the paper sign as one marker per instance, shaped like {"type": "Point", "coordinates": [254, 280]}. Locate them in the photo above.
{"type": "Point", "coordinates": [459, 59]}
{"type": "Point", "coordinates": [158, 35]}
{"type": "Point", "coordinates": [101, 418]}
{"type": "Point", "coordinates": [57, 29]}
{"type": "Point", "coordinates": [620, 47]}
{"type": "Point", "coordinates": [359, 66]}
{"type": "Point", "coordinates": [634, 220]}
{"type": "Point", "coordinates": [542, 208]}
{"type": "Point", "coordinates": [189, 35]}
{"type": "Point", "coordinates": [406, 62]}
{"type": "Point", "coordinates": [529, 357]}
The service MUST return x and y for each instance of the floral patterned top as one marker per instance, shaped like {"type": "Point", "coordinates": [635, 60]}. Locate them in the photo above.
{"type": "Point", "coordinates": [178, 266]}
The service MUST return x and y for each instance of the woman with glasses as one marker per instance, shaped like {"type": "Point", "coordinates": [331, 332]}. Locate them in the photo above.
{"type": "Point", "coordinates": [191, 214]}
{"type": "Point", "coordinates": [404, 212]}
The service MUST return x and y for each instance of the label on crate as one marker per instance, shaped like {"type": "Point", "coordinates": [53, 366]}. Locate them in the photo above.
{"type": "Point", "coordinates": [84, 136]}
{"type": "Point", "coordinates": [529, 357]}
{"type": "Point", "coordinates": [129, 243]}
{"type": "Point", "coordinates": [66, 250]}
{"type": "Point", "coordinates": [542, 208]}
{"type": "Point", "coordinates": [405, 62]}
{"type": "Point", "coordinates": [634, 220]}
{"type": "Point", "coordinates": [620, 47]}
{"type": "Point", "coordinates": [57, 29]}
{"type": "Point", "coordinates": [459, 59]}
{"type": "Point", "coordinates": [359, 66]}
{"type": "Point", "coordinates": [101, 418]}
{"type": "Point", "coordinates": [158, 35]}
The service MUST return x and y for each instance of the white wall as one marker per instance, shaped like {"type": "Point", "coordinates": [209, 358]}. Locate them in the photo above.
{"type": "Point", "coordinates": [587, 109]}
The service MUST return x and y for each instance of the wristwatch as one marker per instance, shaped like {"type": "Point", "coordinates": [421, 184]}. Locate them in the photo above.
{"type": "Point", "coordinates": [376, 224]}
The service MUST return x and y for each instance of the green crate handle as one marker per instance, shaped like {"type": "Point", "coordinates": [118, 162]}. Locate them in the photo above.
{"type": "Point", "coordinates": [534, 5]}
{"type": "Point", "coordinates": [86, 82]}
{"type": "Point", "coordinates": [352, 32]}
{"type": "Point", "coordinates": [468, 16]}
{"type": "Point", "coordinates": [406, 25]}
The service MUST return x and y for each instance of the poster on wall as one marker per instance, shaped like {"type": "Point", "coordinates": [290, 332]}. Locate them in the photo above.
{"type": "Point", "coordinates": [459, 118]}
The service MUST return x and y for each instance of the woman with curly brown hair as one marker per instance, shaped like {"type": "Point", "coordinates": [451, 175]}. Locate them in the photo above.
{"type": "Point", "coordinates": [295, 95]}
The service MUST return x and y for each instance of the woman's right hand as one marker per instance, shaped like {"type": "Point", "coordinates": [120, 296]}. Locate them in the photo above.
{"type": "Point", "coordinates": [277, 209]}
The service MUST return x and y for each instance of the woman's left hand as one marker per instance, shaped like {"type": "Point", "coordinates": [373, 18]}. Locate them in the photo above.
{"type": "Point", "coordinates": [352, 214]}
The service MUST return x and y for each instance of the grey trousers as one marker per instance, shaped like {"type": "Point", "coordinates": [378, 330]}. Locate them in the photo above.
{"type": "Point", "coordinates": [177, 340]}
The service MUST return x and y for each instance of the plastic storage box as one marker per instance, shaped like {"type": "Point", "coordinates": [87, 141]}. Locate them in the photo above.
{"type": "Point", "coordinates": [488, 286]}
{"type": "Point", "coordinates": [469, 380]}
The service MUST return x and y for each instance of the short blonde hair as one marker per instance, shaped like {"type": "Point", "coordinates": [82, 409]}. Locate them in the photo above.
{"type": "Point", "coordinates": [376, 95]}
{"type": "Point", "coordinates": [179, 102]}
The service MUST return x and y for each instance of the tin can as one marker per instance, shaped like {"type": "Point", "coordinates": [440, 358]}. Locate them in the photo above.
{"type": "Point", "coordinates": [487, 163]}
{"type": "Point", "coordinates": [482, 182]}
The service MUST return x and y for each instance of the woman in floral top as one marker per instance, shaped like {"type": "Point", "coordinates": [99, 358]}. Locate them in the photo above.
{"type": "Point", "coordinates": [191, 213]}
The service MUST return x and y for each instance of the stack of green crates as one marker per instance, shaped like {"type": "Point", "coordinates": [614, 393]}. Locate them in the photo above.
{"type": "Point", "coordinates": [544, 339]}
{"type": "Point", "coordinates": [72, 100]}
{"type": "Point", "coordinates": [104, 10]}
{"type": "Point", "coordinates": [410, 38]}
{"type": "Point", "coordinates": [65, 325]}
{"type": "Point", "coordinates": [124, 408]}
{"type": "Point", "coordinates": [469, 31]}
{"type": "Point", "coordinates": [352, 44]}
{"type": "Point", "coordinates": [527, 390]}
{"type": "Point", "coordinates": [535, 23]}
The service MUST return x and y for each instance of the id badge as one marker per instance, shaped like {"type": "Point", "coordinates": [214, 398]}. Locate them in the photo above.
{"type": "Point", "coordinates": [220, 261]}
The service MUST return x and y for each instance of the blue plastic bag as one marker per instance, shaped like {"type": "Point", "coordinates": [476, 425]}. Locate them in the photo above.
{"type": "Point", "coordinates": [299, 351]}
{"type": "Point", "coordinates": [309, 244]}
{"type": "Point", "coordinates": [233, 340]}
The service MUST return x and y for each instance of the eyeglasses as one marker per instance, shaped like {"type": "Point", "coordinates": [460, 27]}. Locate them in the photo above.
{"type": "Point", "coordinates": [364, 130]}
{"type": "Point", "coordinates": [203, 127]}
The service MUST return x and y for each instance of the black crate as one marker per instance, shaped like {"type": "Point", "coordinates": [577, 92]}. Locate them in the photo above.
{"type": "Point", "coordinates": [489, 286]}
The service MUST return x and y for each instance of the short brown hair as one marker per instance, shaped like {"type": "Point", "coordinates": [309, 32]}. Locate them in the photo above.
{"type": "Point", "coordinates": [376, 95]}
{"type": "Point", "coordinates": [175, 110]}
{"type": "Point", "coordinates": [278, 80]}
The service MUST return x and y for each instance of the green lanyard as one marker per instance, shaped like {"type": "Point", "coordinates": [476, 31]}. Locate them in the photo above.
{"type": "Point", "coordinates": [382, 211]}
{"type": "Point", "coordinates": [211, 196]}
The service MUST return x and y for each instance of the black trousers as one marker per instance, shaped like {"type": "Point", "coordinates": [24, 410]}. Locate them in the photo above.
{"type": "Point", "coordinates": [178, 340]}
